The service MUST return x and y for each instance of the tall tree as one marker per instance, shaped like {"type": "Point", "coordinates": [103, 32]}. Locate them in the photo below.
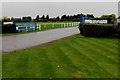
{"type": "Point", "coordinates": [119, 17]}
{"type": "Point", "coordinates": [29, 17]}
{"type": "Point", "coordinates": [43, 17]}
{"type": "Point", "coordinates": [37, 17]}
{"type": "Point", "coordinates": [58, 18]}
{"type": "Point", "coordinates": [47, 17]}
{"type": "Point", "coordinates": [63, 17]}
{"type": "Point", "coordinates": [110, 18]}
{"type": "Point", "coordinates": [78, 15]}
{"type": "Point", "coordinates": [90, 15]}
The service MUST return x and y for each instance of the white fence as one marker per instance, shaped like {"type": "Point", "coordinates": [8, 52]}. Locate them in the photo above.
{"type": "Point", "coordinates": [59, 25]}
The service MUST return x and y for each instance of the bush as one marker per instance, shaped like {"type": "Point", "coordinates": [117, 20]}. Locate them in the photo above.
{"type": "Point", "coordinates": [97, 30]}
{"type": "Point", "coordinates": [8, 28]}
{"type": "Point", "coordinates": [119, 29]}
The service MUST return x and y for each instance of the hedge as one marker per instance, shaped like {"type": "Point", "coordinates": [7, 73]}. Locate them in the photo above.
{"type": "Point", "coordinates": [8, 28]}
{"type": "Point", "coordinates": [119, 29]}
{"type": "Point", "coordinates": [97, 30]}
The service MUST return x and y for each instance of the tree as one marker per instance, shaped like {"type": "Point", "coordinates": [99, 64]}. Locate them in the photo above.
{"type": "Point", "coordinates": [47, 17]}
{"type": "Point", "coordinates": [29, 18]}
{"type": "Point", "coordinates": [37, 17]}
{"type": "Point", "coordinates": [63, 18]}
{"type": "Point", "coordinates": [6, 19]}
{"type": "Point", "coordinates": [43, 17]}
{"type": "Point", "coordinates": [78, 15]}
{"type": "Point", "coordinates": [82, 15]}
{"type": "Point", "coordinates": [68, 18]}
{"type": "Point", "coordinates": [74, 16]}
{"type": "Point", "coordinates": [26, 18]}
{"type": "Point", "coordinates": [57, 18]}
{"type": "Point", "coordinates": [12, 18]}
{"type": "Point", "coordinates": [110, 18]}
{"type": "Point", "coordinates": [113, 16]}
{"type": "Point", "coordinates": [119, 17]}
{"type": "Point", "coordinates": [90, 15]}
{"type": "Point", "coordinates": [53, 19]}
{"type": "Point", "coordinates": [71, 17]}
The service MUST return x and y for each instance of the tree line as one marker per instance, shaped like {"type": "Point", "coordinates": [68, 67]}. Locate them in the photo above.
{"type": "Point", "coordinates": [46, 18]}
{"type": "Point", "coordinates": [62, 18]}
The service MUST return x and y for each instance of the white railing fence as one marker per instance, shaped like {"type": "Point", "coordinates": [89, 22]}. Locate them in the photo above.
{"type": "Point", "coordinates": [41, 26]}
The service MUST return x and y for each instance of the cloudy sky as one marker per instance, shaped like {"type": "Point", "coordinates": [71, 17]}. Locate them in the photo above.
{"type": "Point", "coordinates": [19, 9]}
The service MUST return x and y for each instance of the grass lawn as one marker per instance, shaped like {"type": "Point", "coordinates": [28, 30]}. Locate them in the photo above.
{"type": "Point", "coordinates": [73, 57]}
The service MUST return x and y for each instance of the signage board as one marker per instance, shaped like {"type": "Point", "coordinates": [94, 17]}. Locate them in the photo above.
{"type": "Point", "coordinates": [96, 21]}
{"type": "Point", "coordinates": [25, 27]}
{"type": "Point", "coordinates": [118, 20]}
{"type": "Point", "coordinates": [8, 23]}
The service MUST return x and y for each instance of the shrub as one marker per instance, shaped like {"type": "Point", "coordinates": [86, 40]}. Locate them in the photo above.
{"type": "Point", "coordinates": [8, 28]}
{"type": "Point", "coordinates": [119, 29]}
{"type": "Point", "coordinates": [97, 30]}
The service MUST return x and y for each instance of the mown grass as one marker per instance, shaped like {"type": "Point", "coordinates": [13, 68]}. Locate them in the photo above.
{"type": "Point", "coordinates": [74, 57]}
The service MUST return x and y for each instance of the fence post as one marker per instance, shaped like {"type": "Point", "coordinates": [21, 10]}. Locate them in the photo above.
{"type": "Point", "coordinates": [44, 25]}
{"type": "Point", "coordinates": [67, 24]}
{"type": "Point", "coordinates": [70, 25]}
{"type": "Point", "coordinates": [52, 25]}
{"type": "Point", "coordinates": [78, 23]}
{"type": "Point", "coordinates": [26, 28]}
{"type": "Point", "coordinates": [64, 25]}
{"type": "Point", "coordinates": [61, 25]}
{"type": "Point", "coordinates": [39, 26]}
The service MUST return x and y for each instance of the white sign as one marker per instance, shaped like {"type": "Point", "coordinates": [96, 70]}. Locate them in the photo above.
{"type": "Point", "coordinates": [8, 23]}
{"type": "Point", "coordinates": [96, 21]}
{"type": "Point", "coordinates": [118, 20]}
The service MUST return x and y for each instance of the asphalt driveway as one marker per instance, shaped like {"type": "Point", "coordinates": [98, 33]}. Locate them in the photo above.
{"type": "Point", "coordinates": [16, 42]}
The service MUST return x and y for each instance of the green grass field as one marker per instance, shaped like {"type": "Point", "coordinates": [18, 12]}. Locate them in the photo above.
{"type": "Point", "coordinates": [45, 26]}
{"type": "Point", "coordinates": [73, 57]}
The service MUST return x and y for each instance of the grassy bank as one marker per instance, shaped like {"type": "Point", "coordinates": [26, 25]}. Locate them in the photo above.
{"type": "Point", "coordinates": [74, 57]}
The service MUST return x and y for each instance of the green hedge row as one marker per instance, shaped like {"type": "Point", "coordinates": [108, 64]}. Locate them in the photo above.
{"type": "Point", "coordinates": [98, 30]}
{"type": "Point", "coordinates": [119, 29]}
{"type": "Point", "coordinates": [8, 28]}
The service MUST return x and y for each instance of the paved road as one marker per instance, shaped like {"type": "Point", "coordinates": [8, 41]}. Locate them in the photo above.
{"type": "Point", "coordinates": [16, 42]}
